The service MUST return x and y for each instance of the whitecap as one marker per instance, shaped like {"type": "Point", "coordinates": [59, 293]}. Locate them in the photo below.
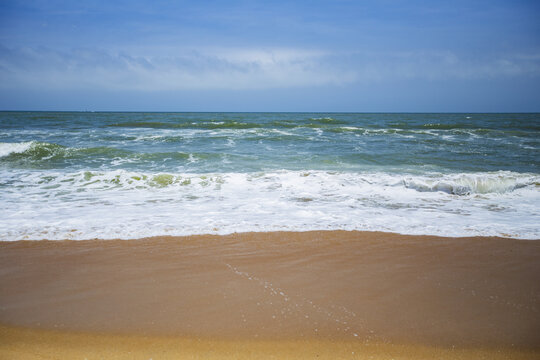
{"type": "Point", "coordinates": [131, 204]}
{"type": "Point", "coordinates": [14, 148]}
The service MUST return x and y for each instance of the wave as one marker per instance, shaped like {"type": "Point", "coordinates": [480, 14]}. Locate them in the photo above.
{"type": "Point", "coordinates": [321, 123]}
{"type": "Point", "coordinates": [507, 126]}
{"type": "Point", "coordinates": [327, 120]}
{"type": "Point", "coordinates": [40, 152]}
{"type": "Point", "coordinates": [496, 183]}
{"type": "Point", "coordinates": [467, 184]}
{"type": "Point", "coordinates": [36, 151]}
{"type": "Point", "coordinates": [207, 125]}
{"type": "Point", "coordinates": [432, 126]}
{"type": "Point", "coordinates": [151, 204]}
{"type": "Point", "coordinates": [136, 180]}
{"type": "Point", "coordinates": [340, 127]}
{"type": "Point", "coordinates": [7, 149]}
{"type": "Point", "coordinates": [437, 126]}
{"type": "Point", "coordinates": [232, 125]}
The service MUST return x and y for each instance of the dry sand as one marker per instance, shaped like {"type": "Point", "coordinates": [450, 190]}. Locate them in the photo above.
{"type": "Point", "coordinates": [46, 344]}
{"type": "Point", "coordinates": [289, 295]}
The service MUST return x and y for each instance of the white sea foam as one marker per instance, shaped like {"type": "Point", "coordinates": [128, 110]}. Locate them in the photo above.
{"type": "Point", "coordinates": [465, 184]}
{"type": "Point", "coordinates": [14, 148]}
{"type": "Point", "coordinates": [123, 204]}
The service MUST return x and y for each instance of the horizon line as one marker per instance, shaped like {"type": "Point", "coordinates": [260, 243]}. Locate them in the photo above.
{"type": "Point", "coordinates": [276, 112]}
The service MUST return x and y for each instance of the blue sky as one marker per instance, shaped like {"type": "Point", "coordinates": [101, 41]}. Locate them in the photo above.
{"type": "Point", "coordinates": [270, 55]}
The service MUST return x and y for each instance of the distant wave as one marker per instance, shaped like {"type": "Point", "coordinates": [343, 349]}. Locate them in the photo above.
{"type": "Point", "coordinates": [337, 126]}
{"type": "Point", "coordinates": [509, 125]}
{"type": "Point", "coordinates": [188, 125]}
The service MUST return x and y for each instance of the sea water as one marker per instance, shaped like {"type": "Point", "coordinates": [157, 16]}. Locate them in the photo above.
{"type": "Point", "coordinates": [82, 175]}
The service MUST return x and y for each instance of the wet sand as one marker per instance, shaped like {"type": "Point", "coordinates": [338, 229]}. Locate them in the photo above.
{"type": "Point", "coordinates": [286, 294]}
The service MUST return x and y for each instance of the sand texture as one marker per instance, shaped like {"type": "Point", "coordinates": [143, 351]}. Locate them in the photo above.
{"type": "Point", "coordinates": [279, 294]}
{"type": "Point", "coordinates": [46, 344]}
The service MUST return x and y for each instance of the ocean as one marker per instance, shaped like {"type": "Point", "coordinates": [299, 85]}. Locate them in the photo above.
{"type": "Point", "coordinates": [85, 175]}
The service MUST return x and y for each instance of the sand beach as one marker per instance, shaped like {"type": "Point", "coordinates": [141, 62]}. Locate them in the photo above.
{"type": "Point", "coordinates": [316, 294]}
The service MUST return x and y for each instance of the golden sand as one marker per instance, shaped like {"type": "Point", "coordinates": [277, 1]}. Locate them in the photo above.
{"type": "Point", "coordinates": [287, 295]}
{"type": "Point", "coordinates": [25, 344]}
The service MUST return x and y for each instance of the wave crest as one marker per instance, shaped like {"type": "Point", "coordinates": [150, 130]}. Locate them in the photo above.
{"type": "Point", "coordinates": [467, 184]}
{"type": "Point", "coordinates": [204, 125]}
{"type": "Point", "coordinates": [36, 151]}
{"type": "Point", "coordinates": [7, 149]}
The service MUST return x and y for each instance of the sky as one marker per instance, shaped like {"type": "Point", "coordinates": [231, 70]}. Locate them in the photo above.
{"type": "Point", "coordinates": [324, 56]}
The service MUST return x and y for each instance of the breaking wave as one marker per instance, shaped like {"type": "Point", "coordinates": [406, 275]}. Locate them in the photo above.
{"type": "Point", "coordinates": [151, 204]}
{"type": "Point", "coordinates": [35, 151]}
{"type": "Point", "coordinates": [210, 125]}
{"type": "Point", "coordinates": [36, 154]}
{"type": "Point", "coordinates": [466, 184]}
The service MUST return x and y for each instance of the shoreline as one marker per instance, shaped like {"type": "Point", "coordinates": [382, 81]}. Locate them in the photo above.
{"type": "Point", "coordinates": [371, 290]}
{"type": "Point", "coordinates": [369, 233]}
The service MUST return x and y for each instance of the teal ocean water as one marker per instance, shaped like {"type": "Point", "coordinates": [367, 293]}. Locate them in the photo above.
{"type": "Point", "coordinates": [87, 175]}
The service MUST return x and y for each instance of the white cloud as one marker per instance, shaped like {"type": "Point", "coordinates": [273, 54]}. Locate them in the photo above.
{"type": "Point", "coordinates": [444, 65]}
{"type": "Point", "coordinates": [242, 68]}
{"type": "Point", "coordinates": [216, 69]}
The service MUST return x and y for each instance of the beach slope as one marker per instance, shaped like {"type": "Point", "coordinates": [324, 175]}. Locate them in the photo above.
{"type": "Point", "coordinates": [334, 294]}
